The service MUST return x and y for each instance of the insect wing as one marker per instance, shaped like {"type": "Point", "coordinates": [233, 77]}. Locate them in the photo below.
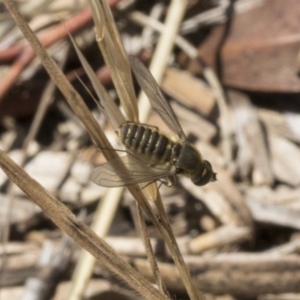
{"type": "Point", "coordinates": [128, 170]}
{"type": "Point", "coordinates": [153, 92]}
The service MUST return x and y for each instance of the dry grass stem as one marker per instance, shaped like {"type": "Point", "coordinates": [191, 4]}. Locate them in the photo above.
{"type": "Point", "coordinates": [84, 268]}
{"type": "Point", "coordinates": [163, 50]}
{"type": "Point", "coordinates": [107, 104]}
{"type": "Point", "coordinates": [261, 270]}
{"type": "Point", "coordinates": [73, 98]}
{"type": "Point", "coordinates": [237, 237]}
{"type": "Point", "coordinates": [115, 57]}
{"type": "Point", "coordinates": [101, 224]}
{"type": "Point", "coordinates": [149, 250]}
{"type": "Point", "coordinates": [77, 230]}
{"type": "Point", "coordinates": [177, 8]}
{"type": "Point", "coordinates": [157, 68]}
{"type": "Point", "coordinates": [34, 128]}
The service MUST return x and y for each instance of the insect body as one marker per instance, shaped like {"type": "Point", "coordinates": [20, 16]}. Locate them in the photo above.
{"type": "Point", "coordinates": [152, 154]}
{"type": "Point", "coordinates": [150, 143]}
{"type": "Point", "coordinates": [159, 149]}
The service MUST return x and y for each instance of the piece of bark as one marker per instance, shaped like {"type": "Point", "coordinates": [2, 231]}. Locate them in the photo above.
{"type": "Point", "coordinates": [96, 288]}
{"type": "Point", "coordinates": [23, 211]}
{"type": "Point", "coordinates": [287, 296]}
{"type": "Point", "coordinates": [18, 268]}
{"type": "Point", "coordinates": [12, 293]}
{"type": "Point", "coordinates": [14, 248]}
{"type": "Point", "coordinates": [292, 247]}
{"type": "Point", "coordinates": [134, 247]}
{"type": "Point", "coordinates": [260, 49]}
{"type": "Point", "coordinates": [283, 123]}
{"type": "Point", "coordinates": [284, 158]}
{"type": "Point", "coordinates": [274, 214]}
{"type": "Point", "coordinates": [252, 145]}
{"type": "Point", "coordinates": [16, 156]}
{"type": "Point", "coordinates": [194, 124]}
{"type": "Point", "coordinates": [243, 275]}
{"type": "Point", "coordinates": [280, 206]}
{"type": "Point", "coordinates": [282, 195]}
{"type": "Point", "coordinates": [207, 223]}
{"type": "Point", "coordinates": [191, 122]}
{"type": "Point", "coordinates": [189, 90]}
{"type": "Point", "coordinates": [226, 235]}
{"type": "Point", "coordinates": [49, 169]}
{"type": "Point", "coordinates": [222, 197]}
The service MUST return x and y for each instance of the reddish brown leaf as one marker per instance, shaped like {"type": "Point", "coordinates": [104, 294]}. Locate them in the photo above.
{"type": "Point", "coordinates": [260, 51]}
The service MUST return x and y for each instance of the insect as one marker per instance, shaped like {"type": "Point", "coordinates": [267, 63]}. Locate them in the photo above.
{"type": "Point", "coordinates": [152, 154]}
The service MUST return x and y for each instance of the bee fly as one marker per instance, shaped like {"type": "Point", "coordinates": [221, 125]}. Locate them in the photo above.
{"type": "Point", "coordinates": [153, 155]}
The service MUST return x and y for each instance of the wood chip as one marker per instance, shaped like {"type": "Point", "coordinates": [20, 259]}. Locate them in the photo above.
{"type": "Point", "coordinates": [252, 148]}
{"type": "Point", "coordinates": [189, 90]}
{"type": "Point", "coordinates": [284, 158]}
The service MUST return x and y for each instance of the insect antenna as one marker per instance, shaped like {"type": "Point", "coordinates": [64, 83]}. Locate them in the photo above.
{"type": "Point", "coordinates": [98, 103]}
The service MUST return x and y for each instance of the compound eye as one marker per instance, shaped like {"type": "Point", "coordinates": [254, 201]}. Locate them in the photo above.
{"type": "Point", "coordinates": [210, 169]}
{"type": "Point", "coordinates": [207, 165]}
{"type": "Point", "coordinates": [205, 174]}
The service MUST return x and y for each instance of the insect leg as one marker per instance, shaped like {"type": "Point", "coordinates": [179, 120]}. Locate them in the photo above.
{"type": "Point", "coordinates": [147, 184]}
{"type": "Point", "coordinates": [118, 150]}
{"type": "Point", "coordinates": [169, 181]}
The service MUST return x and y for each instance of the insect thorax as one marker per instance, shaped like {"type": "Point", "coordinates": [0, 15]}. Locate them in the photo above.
{"type": "Point", "coordinates": [189, 160]}
{"type": "Point", "coordinates": [149, 143]}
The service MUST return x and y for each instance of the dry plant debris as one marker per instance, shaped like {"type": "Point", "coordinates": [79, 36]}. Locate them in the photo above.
{"type": "Point", "coordinates": [230, 70]}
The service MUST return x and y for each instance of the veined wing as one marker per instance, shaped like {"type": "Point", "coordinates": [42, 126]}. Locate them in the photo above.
{"type": "Point", "coordinates": [128, 170]}
{"type": "Point", "coordinates": [153, 92]}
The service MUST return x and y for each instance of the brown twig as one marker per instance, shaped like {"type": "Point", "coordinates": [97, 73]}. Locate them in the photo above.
{"type": "Point", "coordinates": [76, 229]}
{"type": "Point", "coordinates": [24, 54]}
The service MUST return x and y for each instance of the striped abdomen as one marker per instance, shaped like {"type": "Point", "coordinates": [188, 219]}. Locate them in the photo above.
{"type": "Point", "coordinates": [150, 143]}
